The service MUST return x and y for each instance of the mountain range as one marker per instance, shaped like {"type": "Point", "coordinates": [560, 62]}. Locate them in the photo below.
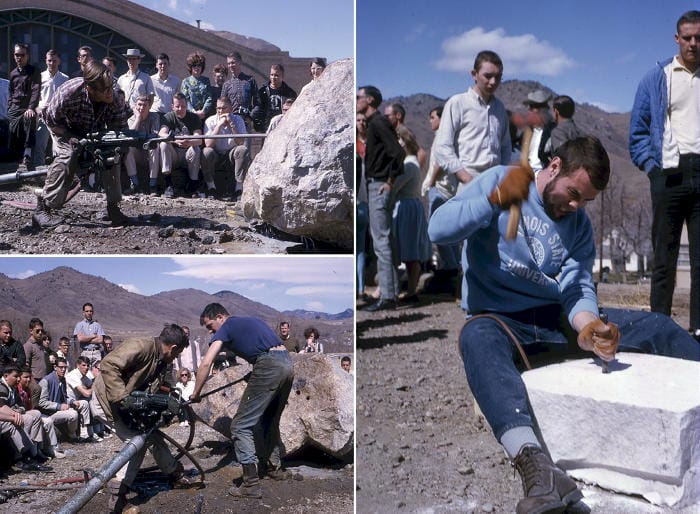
{"type": "Point", "coordinates": [57, 297]}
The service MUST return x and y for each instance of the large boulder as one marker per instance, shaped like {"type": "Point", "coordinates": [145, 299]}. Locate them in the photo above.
{"type": "Point", "coordinates": [320, 412]}
{"type": "Point", "coordinates": [301, 182]}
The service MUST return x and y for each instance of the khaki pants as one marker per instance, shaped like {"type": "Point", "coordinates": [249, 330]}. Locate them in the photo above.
{"type": "Point", "coordinates": [69, 418]}
{"type": "Point", "coordinates": [24, 439]}
{"type": "Point", "coordinates": [140, 157]}
{"type": "Point", "coordinates": [237, 159]}
{"type": "Point", "coordinates": [171, 155]}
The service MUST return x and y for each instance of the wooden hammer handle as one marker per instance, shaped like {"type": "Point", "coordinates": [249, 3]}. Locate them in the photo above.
{"type": "Point", "coordinates": [513, 222]}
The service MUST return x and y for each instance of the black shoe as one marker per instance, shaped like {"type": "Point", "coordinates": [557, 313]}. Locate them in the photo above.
{"type": "Point", "coordinates": [31, 466]}
{"type": "Point", "coordinates": [131, 190]}
{"type": "Point", "coordinates": [382, 305]}
{"type": "Point", "coordinates": [27, 163]}
{"type": "Point", "coordinates": [169, 192]}
{"type": "Point", "coordinates": [42, 217]}
{"type": "Point", "coordinates": [411, 299]}
{"type": "Point", "coordinates": [547, 488]}
{"type": "Point", "coordinates": [116, 218]}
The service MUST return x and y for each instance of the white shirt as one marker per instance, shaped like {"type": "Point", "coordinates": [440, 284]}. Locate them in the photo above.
{"type": "Point", "coordinates": [473, 135]}
{"type": "Point", "coordinates": [190, 357]}
{"type": "Point", "coordinates": [136, 85]}
{"type": "Point", "coordinates": [49, 85]}
{"type": "Point", "coordinates": [224, 144]}
{"type": "Point", "coordinates": [186, 390]}
{"type": "Point", "coordinates": [75, 378]}
{"type": "Point", "coordinates": [682, 124]}
{"type": "Point", "coordinates": [165, 89]}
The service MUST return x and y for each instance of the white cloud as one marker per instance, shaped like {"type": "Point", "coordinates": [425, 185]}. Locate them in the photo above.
{"type": "Point", "coordinates": [257, 287]}
{"type": "Point", "coordinates": [285, 269]}
{"type": "Point", "coordinates": [415, 33]}
{"type": "Point", "coordinates": [327, 290]}
{"type": "Point", "coordinates": [315, 306]}
{"type": "Point", "coordinates": [520, 54]}
{"type": "Point", "coordinates": [132, 288]}
{"type": "Point", "coordinates": [24, 274]}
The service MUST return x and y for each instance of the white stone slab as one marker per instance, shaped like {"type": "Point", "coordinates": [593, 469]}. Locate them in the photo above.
{"type": "Point", "coordinates": [635, 430]}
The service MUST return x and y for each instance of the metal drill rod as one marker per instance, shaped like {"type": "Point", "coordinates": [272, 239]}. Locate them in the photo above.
{"type": "Point", "coordinates": [604, 318]}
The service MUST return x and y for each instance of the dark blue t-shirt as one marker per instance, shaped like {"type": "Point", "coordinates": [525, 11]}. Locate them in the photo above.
{"type": "Point", "coordinates": [246, 337]}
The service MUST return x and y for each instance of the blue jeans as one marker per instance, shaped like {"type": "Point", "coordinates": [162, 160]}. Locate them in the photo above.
{"type": "Point", "coordinates": [261, 408]}
{"type": "Point", "coordinates": [380, 212]}
{"type": "Point", "coordinates": [675, 201]}
{"type": "Point", "coordinates": [449, 254]}
{"type": "Point", "coordinates": [361, 224]}
{"type": "Point", "coordinates": [488, 354]}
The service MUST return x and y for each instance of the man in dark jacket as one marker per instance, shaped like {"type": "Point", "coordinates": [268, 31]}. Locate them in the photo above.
{"type": "Point", "coordinates": [271, 97]}
{"type": "Point", "coordinates": [24, 95]}
{"type": "Point", "coordinates": [11, 350]}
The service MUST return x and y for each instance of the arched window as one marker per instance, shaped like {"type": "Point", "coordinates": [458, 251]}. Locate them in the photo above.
{"type": "Point", "coordinates": [65, 33]}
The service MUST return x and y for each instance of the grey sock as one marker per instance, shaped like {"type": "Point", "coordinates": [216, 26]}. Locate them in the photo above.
{"type": "Point", "coordinates": [515, 438]}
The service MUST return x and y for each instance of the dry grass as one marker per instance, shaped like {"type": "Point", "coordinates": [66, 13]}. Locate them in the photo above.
{"type": "Point", "coordinates": [636, 296]}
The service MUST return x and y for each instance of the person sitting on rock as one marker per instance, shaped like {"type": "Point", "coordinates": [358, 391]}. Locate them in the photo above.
{"type": "Point", "coordinates": [539, 287]}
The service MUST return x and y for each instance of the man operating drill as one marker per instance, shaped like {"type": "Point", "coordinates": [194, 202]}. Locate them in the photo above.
{"type": "Point", "coordinates": [81, 106]}
{"type": "Point", "coordinates": [538, 288]}
{"type": "Point", "coordinates": [138, 365]}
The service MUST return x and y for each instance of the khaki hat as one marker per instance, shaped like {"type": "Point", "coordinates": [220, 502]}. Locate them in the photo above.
{"type": "Point", "coordinates": [133, 52]}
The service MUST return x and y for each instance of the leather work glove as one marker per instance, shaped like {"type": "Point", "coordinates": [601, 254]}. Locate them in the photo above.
{"type": "Point", "coordinates": [600, 338]}
{"type": "Point", "coordinates": [513, 189]}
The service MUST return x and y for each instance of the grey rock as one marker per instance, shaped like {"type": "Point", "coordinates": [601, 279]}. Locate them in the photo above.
{"type": "Point", "coordinates": [302, 180]}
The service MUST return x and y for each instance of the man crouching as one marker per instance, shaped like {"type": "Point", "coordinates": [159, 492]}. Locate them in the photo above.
{"type": "Point", "coordinates": [138, 365]}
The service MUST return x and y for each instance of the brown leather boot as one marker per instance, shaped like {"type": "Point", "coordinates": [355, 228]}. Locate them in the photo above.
{"type": "Point", "coordinates": [250, 488]}
{"type": "Point", "coordinates": [180, 480]}
{"type": "Point", "coordinates": [547, 488]}
{"type": "Point", "coordinates": [42, 217]}
{"type": "Point", "coordinates": [117, 496]}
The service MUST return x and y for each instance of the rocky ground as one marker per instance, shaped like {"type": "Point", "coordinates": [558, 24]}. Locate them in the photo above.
{"type": "Point", "coordinates": [159, 226]}
{"type": "Point", "coordinates": [420, 447]}
{"type": "Point", "coordinates": [317, 485]}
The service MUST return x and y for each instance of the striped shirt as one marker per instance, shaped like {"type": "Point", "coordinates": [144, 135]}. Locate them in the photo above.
{"type": "Point", "coordinates": [71, 109]}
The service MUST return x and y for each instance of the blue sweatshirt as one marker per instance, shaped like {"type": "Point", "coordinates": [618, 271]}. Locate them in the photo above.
{"type": "Point", "coordinates": [549, 262]}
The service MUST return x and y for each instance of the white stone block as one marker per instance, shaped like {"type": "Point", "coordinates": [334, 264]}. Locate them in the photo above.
{"type": "Point", "coordinates": [635, 430]}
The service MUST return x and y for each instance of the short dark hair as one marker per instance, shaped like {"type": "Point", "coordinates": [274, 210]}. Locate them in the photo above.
{"type": "Point", "coordinates": [34, 322]}
{"type": "Point", "coordinates": [374, 94]}
{"type": "Point", "coordinates": [235, 55]}
{"type": "Point", "coordinates": [59, 360]}
{"type": "Point", "coordinates": [5, 323]}
{"type": "Point", "coordinates": [25, 369]}
{"type": "Point", "coordinates": [180, 96]}
{"type": "Point", "coordinates": [318, 61]}
{"type": "Point", "coordinates": [211, 311]}
{"type": "Point", "coordinates": [437, 110]}
{"type": "Point", "coordinates": [345, 359]}
{"type": "Point", "coordinates": [687, 17]}
{"type": "Point", "coordinates": [23, 46]}
{"type": "Point", "coordinates": [111, 59]}
{"type": "Point", "coordinates": [487, 56]}
{"type": "Point", "coordinates": [283, 323]}
{"type": "Point", "coordinates": [10, 368]}
{"type": "Point", "coordinates": [221, 68]}
{"type": "Point", "coordinates": [585, 152]}
{"type": "Point", "coordinates": [82, 360]}
{"type": "Point", "coordinates": [85, 48]}
{"type": "Point", "coordinates": [163, 57]}
{"type": "Point", "coordinates": [107, 337]}
{"type": "Point", "coordinates": [311, 331]}
{"type": "Point", "coordinates": [62, 340]}
{"type": "Point", "coordinates": [564, 105]}
{"type": "Point", "coordinates": [195, 59]}
{"type": "Point", "coordinates": [87, 304]}
{"type": "Point", "coordinates": [173, 335]}
{"type": "Point", "coordinates": [399, 109]}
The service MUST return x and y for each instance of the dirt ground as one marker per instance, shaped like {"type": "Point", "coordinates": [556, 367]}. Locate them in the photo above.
{"type": "Point", "coordinates": [318, 486]}
{"type": "Point", "coordinates": [420, 447]}
{"type": "Point", "coordinates": [158, 226]}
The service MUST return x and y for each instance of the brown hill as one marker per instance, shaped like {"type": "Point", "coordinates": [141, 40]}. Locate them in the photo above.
{"type": "Point", "coordinates": [57, 297]}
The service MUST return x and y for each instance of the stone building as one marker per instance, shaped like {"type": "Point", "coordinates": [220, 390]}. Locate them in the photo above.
{"type": "Point", "coordinates": [110, 27]}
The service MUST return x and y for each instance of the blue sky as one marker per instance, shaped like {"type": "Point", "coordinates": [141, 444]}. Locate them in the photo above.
{"type": "Point", "coordinates": [304, 28]}
{"type": "Point", "coordinates": [595, 51]}
{"type": "Point", "coordinates": [318, 283]}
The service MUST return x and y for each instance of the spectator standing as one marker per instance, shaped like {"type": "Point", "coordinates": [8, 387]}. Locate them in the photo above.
{"type": "Point", "coordinates": [84, 57]}
{"type": "Point", "coordinates": [35, 351]}
{"type": "Point", "coordinates": [51, 79]}
{"type": "Point", "coordinates": [165, 85]}
{"type": "Point", "coordinates": [24, 95]}
{"type": "Point", "coordinates": [220, 76]}
{"type": "Point", "coordinates": [191, 356]}
{"type": "Point", "coordinates": [111, 64]}
{"type": "Point", "coordinates": [313, 345]}
{"type": "Point", "coordinates": [536, 146]}
{"type": "Point", "coordinates": [89, 334]}
{"type": "Point", "coordinates": [563, 108]}
{"type": "Point", "coordinates": [361, 205]}
{"type": "Point", "coordinates": [11, 350]}
{"type": "Point", "coordinates": [134, 82]}
{"type": "Point", "coordinates": [271, 97]}
{"type": "Point", "coordinates": [473, 134]}
{"type": "Point", "coordinates": [383, 164]}
{"type": "Point", "coordinates": [240, 89]}
{"type": "Point", "coordinates": [291, 344]}
{"type": "Point", "coordinates": [409, 226]}
{"type": "Point", "coordinates": [196, 87]}
{"type": "Point", "coordinates": [664, 142]}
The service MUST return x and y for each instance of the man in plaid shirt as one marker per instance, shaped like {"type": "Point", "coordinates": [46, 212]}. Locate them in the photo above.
{"type": "Point", "coordinates": [80, 106]}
